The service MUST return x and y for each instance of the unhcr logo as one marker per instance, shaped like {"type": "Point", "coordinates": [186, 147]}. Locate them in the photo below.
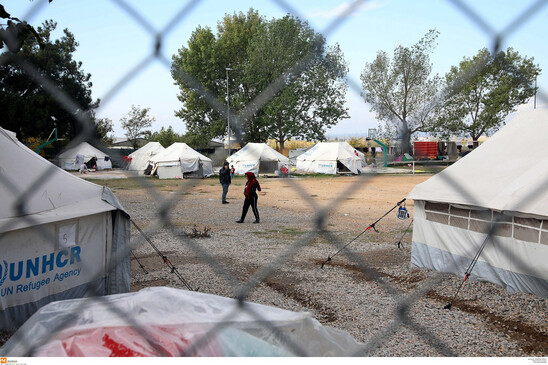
{"type": "Point", "coordinates": [29, 268]}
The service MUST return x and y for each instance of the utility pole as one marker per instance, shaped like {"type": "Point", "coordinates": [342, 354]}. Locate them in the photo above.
{"type": "Point", "coordinates": [228, 110]}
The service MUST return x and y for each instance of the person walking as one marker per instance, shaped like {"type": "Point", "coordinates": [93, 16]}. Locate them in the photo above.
{"type": "Point", "coordinates": [225, 180]}
{"type": "Point", "coordinates": [251, 197]}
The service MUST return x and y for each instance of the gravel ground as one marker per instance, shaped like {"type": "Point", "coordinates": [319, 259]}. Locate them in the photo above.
{"type": "Point", "coordinates": [368, 289]}
{"type": "Point", "coordinates": [371, 293]}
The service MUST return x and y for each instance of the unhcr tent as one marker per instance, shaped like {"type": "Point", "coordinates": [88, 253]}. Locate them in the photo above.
{"type": "Point", "coordinates": [505, 181]}
{"type": "Point", "coordinates": [139, 160]}
{"type": "Point", "coordinates": [257, 158]}
{"type": "Point", "coordinates": [59, 234]}
{"type": "Point", "coordinates": [331, 158]}
{"type": "Point", "coordinates": [179, 160]}
{"type": "Point", "coordinates": [72, 158]}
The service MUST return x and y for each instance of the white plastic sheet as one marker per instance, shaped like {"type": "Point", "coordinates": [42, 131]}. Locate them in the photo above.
{"type": "Point", "coordinates": [172, 322]}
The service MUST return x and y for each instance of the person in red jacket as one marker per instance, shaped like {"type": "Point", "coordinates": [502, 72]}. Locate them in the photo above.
{"type": "Point", "coordinates": [251, 197]}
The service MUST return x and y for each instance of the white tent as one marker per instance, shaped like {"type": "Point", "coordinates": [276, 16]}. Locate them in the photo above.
{"type": "Point", "coordinates": [505, 181]}
{"type": "Point", "coordinates": [331, 158]}
{"type": "Point", "coordinates": [139, 160]}
{"type": "Point", "coordinates": [58, 235]}
{"type": "Point", "coordinates": [257, 158]}
{"type": "Point", "coordinates": [72, 158]}
{"type": "Point", "coordinates": [179, 160]}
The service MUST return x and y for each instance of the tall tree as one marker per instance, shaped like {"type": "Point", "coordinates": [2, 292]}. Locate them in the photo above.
{"type": "Point", "coordinates": [135, 122]}
{"type": "Point", "coordinates": [402, 91]}
{"type": "Point", "coordinates": [483, 90]}
{"type": "Point", "coordinates": [309, 76]}
{"type": "Point", "coordinates": [26, 107]}
{"type": "Point", "coordinates": [306, 100]}
{"type": "Point", "coordinates": [205, 60]}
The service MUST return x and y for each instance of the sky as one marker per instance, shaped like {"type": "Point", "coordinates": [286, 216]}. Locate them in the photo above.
{"type": "Point", "coordinates": [117, 39]}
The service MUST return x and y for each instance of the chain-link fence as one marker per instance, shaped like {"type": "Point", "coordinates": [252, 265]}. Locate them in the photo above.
{"type": "Point", "coordinates": [165, 212]}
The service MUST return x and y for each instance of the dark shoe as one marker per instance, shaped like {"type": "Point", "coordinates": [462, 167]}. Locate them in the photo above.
{"type": "Point", "coordinates": [257, 221]}
{"type": "Point", "coordinates": [240, 221]}
{"type": "Point", "coordinates": [225, 202]}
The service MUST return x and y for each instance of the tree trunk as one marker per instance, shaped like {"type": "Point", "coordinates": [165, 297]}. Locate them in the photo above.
{"type": "Point", "coordinates": [406, 146]}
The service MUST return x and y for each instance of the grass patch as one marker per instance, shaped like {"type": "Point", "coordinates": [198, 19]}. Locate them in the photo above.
{"type": "Point", "coordinates": [285, 231]}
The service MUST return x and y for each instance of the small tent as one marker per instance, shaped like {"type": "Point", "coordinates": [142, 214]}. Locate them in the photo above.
{"type": "Point", "coordinates": [257, 158]}
{"type": "Point", "coordinates": [502, 183]}
{"type": "Point", "coordinates": [139, 160]}
{"type": "Point", "coordinates": [179, 160]}
{"type": "Point", "coordinates": [331, 158]}
{"type": "Point", "coordinates": [72, 158]}
{"type": "Point", "coordinates": [60, 236]}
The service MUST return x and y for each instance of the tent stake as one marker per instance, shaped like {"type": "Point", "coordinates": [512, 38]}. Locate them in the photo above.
{"type": "Point", "coordinates": [469, 270]}
{"type": "Point", "coordinates": [139, 262]}
{"type": "Point", "coordinates": [404, 232]}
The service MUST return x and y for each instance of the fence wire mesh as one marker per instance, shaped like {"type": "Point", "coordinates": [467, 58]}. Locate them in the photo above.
{"type": "Point", "coordinates": [166, 211]}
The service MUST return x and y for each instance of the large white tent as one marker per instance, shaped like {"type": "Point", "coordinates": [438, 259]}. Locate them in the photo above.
{"type": "Point", "coordinates": [139, 160]}
{"type": "Point", "coordinates": [59, 235]}
{"type": "Point", "coordinates": [503, 182]}
{"type": "Point", "coordinates": [72, 158]}
{"type": "Point", "coordinates": [179, 160]}
{"type": "Point", "coordinates": [331, 158]}
{"type": "Point", "coordinates": [257, 158]}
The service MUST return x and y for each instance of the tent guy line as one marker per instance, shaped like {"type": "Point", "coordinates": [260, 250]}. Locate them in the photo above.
{"type": "Point", "coordinates": [371, 226]}
{"type": "Point", "coordinates": [164, 257]}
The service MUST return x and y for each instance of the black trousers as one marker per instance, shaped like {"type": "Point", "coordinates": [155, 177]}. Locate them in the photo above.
{"type": "Point", "coordinates": [250, 202]}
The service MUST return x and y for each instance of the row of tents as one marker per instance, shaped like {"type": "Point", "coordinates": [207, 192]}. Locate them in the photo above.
{"type": "Point", "coordinates": [62, 236]}
{"type": "Point", "coordinates": [179, 160]}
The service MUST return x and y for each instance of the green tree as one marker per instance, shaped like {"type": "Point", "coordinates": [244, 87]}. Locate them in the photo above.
{"type": "Point", "coordinates": [135, 122]}
{"type": "Point", "coordinates": [15, 31]}
{"type": "Point", "coordinates": [401, 90]}
{"type": "Point", "coordinates": [166, 137]}
{"type": "Point", "coordinates": [483, 90]}
{"type": "Point", "coordinates": [200, 68]}
{"type": "Point", "coordinates": [105, 130]}
{"type": "Point", "coordinates": [262, 55]}
{"type": "Point", "coordinates": [30, 110]}
{"type": "Point", "coordinates": [308, 78]}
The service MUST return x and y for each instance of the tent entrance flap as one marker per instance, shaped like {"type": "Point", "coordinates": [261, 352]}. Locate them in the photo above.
{"type": "Point", "coordinates": [341, 168]}
{"type": "Point", "coordinates": [268, 166]}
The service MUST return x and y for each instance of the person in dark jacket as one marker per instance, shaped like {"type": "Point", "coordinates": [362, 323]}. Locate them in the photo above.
{"type": "Point", "coordinates": [225, 180]}
{"type": "Point", "coordinates": [251, 197]}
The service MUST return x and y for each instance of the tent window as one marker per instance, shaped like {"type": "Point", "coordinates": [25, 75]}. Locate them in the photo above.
{"type": "Point", "coordinates": [501, 217]}
{"type": "Point", "coordinates": [438, 218]}
{"type": "Point", "coordinates": [459, 222]}
{"type": "Point", "coordinates": [479, 226]}
{"type": "Point", "coordinates": [544, 237]}
{"type": "Point", "coordinates": [529, 222]}
{"type": "Point", "coordinates": [526, 234]}
{"type": "Point", "coordinates": [460, 212]}
{"type": "Point", "coordinates": [484, 215]}
{"type": "Point", "coordinates": [436, 207]}
{"type": "Point", "coordinates": [503, 230]}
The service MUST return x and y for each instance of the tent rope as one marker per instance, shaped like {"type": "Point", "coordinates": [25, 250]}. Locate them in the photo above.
{"type": "Point", "coordinates": [400, 245]}
{"type": "Point", "coordinates": [371, 226]}
{"type": "Point", "coordinates": [164, 257]}
{"type": "Point", "coordinates": [139, 262]}
{"type": "Point", "coordinates": [469, 271]}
